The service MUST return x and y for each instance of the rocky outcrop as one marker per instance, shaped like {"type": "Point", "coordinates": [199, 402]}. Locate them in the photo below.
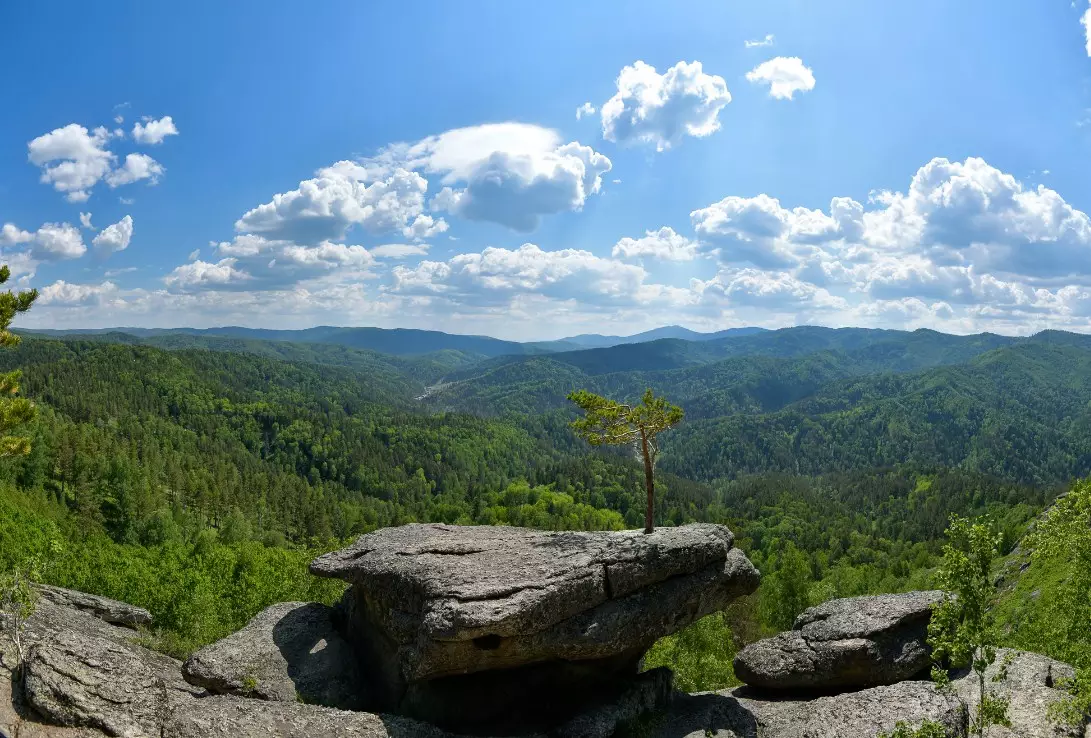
{"type": "Point", "coordinates": [472, 624]}
{"type": "Point", "coordinates": [79, 680]}
{"type": "Point", "coordinates": [102, 608]}
{"type": "Point", "coordinates": [1029, 681]}
{"type": "Point", "coordinates": [86, 678]}
{"type": "Point", "coordinates": [740, 713]}
{"type": "Point", "coordinates": [287, 652]}
{"type": "Point", "coordinates": [464, 599]}
{"type": "Point", "coordinates": [847, 643]}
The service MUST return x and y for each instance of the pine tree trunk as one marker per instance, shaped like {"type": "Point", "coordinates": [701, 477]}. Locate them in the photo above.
{"type": "Point", "coordinates": [649, 484]}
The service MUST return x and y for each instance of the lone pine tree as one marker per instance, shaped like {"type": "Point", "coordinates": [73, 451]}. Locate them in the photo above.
{"type": "Point", "coordinates": [609, 423]}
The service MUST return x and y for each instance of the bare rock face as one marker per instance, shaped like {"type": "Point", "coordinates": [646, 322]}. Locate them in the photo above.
{"type": "Point", "coordinates": [1030, 683]}
{"type": "Point", "coordinates": [740, 713]}
{"type": "Point", "coordinates": [287, 652]}
{"type": "Point", "coordinates": [845, 644]}
{"type": "Point", "coordinates": [79, 680]}
{"type": "Point", "coordinates": [103, 608]}
{"type": "Point", "coordinates": [466, 625]}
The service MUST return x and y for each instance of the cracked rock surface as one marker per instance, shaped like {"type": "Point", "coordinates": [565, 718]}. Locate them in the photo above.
{"type": "Point", "coordinates": [441, 600]}
{"type": "Point", "coordinates": [847, 643]}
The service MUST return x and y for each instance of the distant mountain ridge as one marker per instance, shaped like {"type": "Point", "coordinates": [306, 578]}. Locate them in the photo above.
{"type": "Point", "coordinates": [411, 341]}
{"type": "Point", "coordinates": [394, 341]}
{"type": "Point", "coordinates": [597, 340]}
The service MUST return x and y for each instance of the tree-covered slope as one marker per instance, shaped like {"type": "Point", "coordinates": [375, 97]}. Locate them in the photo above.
{"type": "Point", "coordinates": [1021, 413]}
{"type": "Point", "coordinates": [420, 369]}
{"type": "Point", "coordinates": [763, 372]}
{"type": "Point", "coordinates": [396, 341]}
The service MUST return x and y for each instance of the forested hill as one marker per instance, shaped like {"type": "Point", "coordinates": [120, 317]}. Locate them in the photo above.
{"type": "Point", "coordinates": [851, 446]}
{"type": "Point", "coordinates": [396, 341]}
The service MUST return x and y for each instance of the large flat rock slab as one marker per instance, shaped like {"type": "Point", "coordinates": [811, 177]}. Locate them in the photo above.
{"type": "Point", "coordinates": [845, 644]}
{"type": "Point", "coordinates": [442, 600]}
{"type": "Point", "coordinates": [290, 651]}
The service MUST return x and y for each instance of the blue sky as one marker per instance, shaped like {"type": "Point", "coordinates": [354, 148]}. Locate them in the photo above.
{"type": "Point", "coordinates": [770, 163]}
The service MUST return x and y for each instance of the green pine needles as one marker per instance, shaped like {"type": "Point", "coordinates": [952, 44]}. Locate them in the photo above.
{"type": "Point", "coordinates": [609, 423]}
{"type": "Point", "coordinates": [14, 411]}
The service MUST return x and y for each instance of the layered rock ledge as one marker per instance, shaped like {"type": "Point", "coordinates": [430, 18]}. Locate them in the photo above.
{"type": "Point", "coordinates": [448, 614]}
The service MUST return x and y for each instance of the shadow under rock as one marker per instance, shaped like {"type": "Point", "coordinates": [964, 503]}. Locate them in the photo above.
{"type": "Point", "coordinates": [703, 714]}
{"type": "Point", "coordinates": [323, 667]}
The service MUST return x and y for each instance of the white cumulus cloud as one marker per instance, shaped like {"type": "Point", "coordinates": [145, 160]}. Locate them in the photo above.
{"type": "Point", "coordinates": [496, 276]}
{"type": "Point", "coordinates": [586, 109]}
{"type": "Point", "coordinates": [339, 198]}
{"type": "Point", "coordinates": [154, 131]}
{"type": "Point", "coordinates": [203, 275]}
{"type": "Point", "coordinates": [509, 173]}
{"type": "Point", "coordinates": [51, 242]}
{"type": "Point", "coordinates": [663, 244]}
{"type": "Point", "coordinates": [63, 293]}
{"type": "Point", "coordinates": [660, 109]}
{"type": "Point", "coordinates": [136, 168]}
{"type": "Point", "coordinates": [785, 75]}
{"type": "Point", "coordinates": [1085, 20]}
{"type": "Point", "coordinates": [72, 159]}
{"type": "Point", "coordinates": [760, 231]}
{"type": "Point", "coordinates": [114, 237]}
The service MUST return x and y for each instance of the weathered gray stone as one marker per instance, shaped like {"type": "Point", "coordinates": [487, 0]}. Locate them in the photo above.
{"type": "Point", "coordinates": [17, 716]}
{"type": "Point", "coordinates": [1030, 684]}
{"type": "Point", "coordinates": [441, 600]}
{"type": "Point", "coordinates": [740, 713]}
{"type": "Point", "coordinates": [234, 717]}
{"type": "Point", "coordinates": [103, 608]}
{"type": "Point", "coordinates": [79, 680]}
{"type": "Point", "coordinates": [845, 644]}
{"type": "Point", "coordinates": [289, 651]}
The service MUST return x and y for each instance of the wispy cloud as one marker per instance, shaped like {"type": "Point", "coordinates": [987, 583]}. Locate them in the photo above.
{"type": "Point", "coordinates": [753, 43]}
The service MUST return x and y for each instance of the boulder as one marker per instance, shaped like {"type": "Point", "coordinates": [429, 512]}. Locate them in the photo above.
{"type": "Point", "coordinates": [474, 627]}
{"type": "Point", "coordinates": [441, 600]}
{"type": "Point", "coordinates": [78, 680]}
{"type": "Point", "coordinates": [234, 717]}
{"type": "Point", "coordinates": [845, 644]}
{"type": "Point", "coordinates": [103, 608]}
{"type": "Point", "coordinates": [287, 652]}
{"type": "Point", "coordinates": [1030, 682]}
{"type": "Point", "coordinates": [741, 713]}
{"type": "Point", "coordinates": [17, 716]}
